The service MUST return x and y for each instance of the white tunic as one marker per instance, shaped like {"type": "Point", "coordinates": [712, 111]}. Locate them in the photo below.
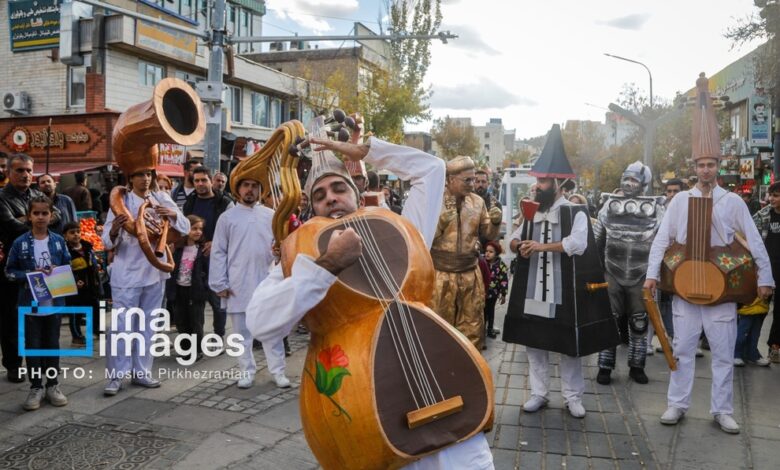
{"type": "Point", "coordinates": [241, 253]}
{"type": "Point", "coordinates": [729, 215]}
{"type": "Point", "coordinates": [130, 267]}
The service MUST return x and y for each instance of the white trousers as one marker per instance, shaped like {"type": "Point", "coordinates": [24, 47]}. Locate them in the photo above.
{"type": "Point", "coordinates": [273, 350]}
{"type": "Point", "coordinates": [118, 363]}
{"type": "Point", "coordinates": [572, 381]}
{"type": "Point", "coordinates": [720, 325]}
{"type": "Point", "coordinates": [471, 454]}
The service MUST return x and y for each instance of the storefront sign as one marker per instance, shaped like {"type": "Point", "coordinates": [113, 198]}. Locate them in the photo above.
{"type": "Point", "coordinates": [34, 24]}
{"type": "Point", "coordinates": [746, 171]}
{"type": "Point", "coordinates": [24, 140]}
{"type": "Point", "coordinates": [168, 42]}
{"type": "Point", "coordinates": [73, 139]}
{"type": "Point", "coordinates": [171, 154]}
{"type": "Point", "coordinates": [760, 122]}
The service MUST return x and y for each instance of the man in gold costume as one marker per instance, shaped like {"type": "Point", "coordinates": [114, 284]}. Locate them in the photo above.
{"type": "Point", "coordinates": [460, 292]}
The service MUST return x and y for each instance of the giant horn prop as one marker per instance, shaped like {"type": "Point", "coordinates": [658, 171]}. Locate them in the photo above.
{"type": "Point", "coordinates": [174, 115]}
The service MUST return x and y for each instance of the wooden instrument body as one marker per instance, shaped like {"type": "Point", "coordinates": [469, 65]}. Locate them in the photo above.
{"type": "Point", "coordinates": [368, 429]}
{"type": "Point", "coordinates": [708, 275]}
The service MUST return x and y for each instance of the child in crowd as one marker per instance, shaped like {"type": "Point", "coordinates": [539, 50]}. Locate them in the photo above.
{"type": "Point", "coordinates": [768, 222]}
{"type": "Point", "coordinates": [39, 250]}
{"type": "Point", "coordinates": [84, 265]}
{"type": "Point", "coordinates": [749, 322]}
{"type": "Point", "coordinates": [498, 285]}
{"type": "Point", "coordinates": [188, 286]}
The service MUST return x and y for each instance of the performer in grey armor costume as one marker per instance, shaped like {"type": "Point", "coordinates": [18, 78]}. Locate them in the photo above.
{"type": "Point", "coordinates": [624, 232]}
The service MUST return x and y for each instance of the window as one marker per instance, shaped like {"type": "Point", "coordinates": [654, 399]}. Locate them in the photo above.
{"type": "Point", "coordinates": [231, 98]}
{"type": "Point", "coordinates": [260, 109]}
{"type": "Point", "coordinates": [276, 112]}
{"type": "Point", "coordinates": [77, 83]}
{"type": "Point", "coordinates": [184, 8]}
{"type": "Point", "coordinates": [149, 74]}
{"type": "Point", "coordinates": [735, 119]}
{"type": "Point", "coordinates": [487, 147]}
{"type": "Point", "coordinates": [487, 135]}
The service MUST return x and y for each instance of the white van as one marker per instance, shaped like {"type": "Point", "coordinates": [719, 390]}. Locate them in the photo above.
{"type": "Point", "coordinates": [515, 184]}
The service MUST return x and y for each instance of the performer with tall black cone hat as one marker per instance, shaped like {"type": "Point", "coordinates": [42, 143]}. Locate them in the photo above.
{"type": "Point", "coordinates": [557, 302]}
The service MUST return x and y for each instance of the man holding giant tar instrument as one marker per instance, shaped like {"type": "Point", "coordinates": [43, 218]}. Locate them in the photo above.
{"type": "Point", "coordinates": [695, 255]}
{"type": "Point", "coordinates": [279, 303]}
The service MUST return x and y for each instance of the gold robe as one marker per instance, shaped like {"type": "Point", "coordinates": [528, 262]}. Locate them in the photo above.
{"type": "Point", "coordinates": [460, 291]}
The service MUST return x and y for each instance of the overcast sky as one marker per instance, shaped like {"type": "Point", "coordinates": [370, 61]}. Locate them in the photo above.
{"type": "Point", "coordinates": [537, 62]}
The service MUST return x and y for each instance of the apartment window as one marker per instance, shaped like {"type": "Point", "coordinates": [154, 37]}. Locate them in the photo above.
{"type": "Point", "coordinates": [487, 147]}
{"type": "Point", "coordinates": [260, 109]}
{"type": "Point", "coordinates": [487, 135]}
{"type": "Point", "coordinates": [185, 8]}
{"type": "Point", "coordinates": [149, 74]}
{"type": "Point", "coordinates": [735, 119]}
{"type": "Point", "coordinates": [77, 83]}
{"type": "Point", "coordinates": [232, 100]}
{"type": "Point", "coordinates": [276, 112]}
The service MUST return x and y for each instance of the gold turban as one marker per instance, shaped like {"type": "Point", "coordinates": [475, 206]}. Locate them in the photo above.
{"type": "Point", "coordinates": [458, 164]}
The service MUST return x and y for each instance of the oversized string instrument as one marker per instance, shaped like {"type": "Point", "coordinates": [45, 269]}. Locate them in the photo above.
{"type": "Point", "coordinates": [174, 115]}
{"type": "Point", "coordinates": [697, 271]}
{"type": "Point", "coordinates": [386, 380]}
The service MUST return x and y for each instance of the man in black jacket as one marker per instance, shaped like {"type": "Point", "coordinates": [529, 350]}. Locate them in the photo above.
{"type": "Point", "coordinates": [13, 223]}
{"type": "Point", "coordinates": [208, 204]}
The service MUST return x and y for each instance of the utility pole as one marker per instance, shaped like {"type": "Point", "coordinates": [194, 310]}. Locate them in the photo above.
{"type": "Point", "coordinates": [215, 85]}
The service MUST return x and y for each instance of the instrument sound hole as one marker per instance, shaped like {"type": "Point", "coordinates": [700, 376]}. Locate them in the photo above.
{"type": "Point", "coordinates": [385, 255]}
{"type": "Point", "coordinates": [180, 111]}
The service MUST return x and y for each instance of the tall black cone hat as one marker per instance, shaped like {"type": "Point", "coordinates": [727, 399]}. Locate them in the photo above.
{"type": "Point", "coordinates": [553, 163]}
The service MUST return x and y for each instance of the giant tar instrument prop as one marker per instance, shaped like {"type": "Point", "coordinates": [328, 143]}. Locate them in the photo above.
{"type": "Point", "coordinates": [697, 271]}
{"type": "Point", "coordinates": [386, 380]}
{"type": "Point", "coordinates": [174, 115]}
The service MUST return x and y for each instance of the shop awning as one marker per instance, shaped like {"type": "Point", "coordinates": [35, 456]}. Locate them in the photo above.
{"type": "Point", "coordinates": [170, 170]}
{"type": "Point", "coordinates": [60, 168]}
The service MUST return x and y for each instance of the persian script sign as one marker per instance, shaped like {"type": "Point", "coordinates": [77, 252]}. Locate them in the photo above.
{"type": "Point", "coordinates": [34, 24]}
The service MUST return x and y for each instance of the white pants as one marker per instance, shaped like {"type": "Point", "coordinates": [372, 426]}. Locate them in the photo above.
{"type": "Point", "coordinates": [273, 350]}
{"type": "Point", "coordinates": [720, 326]}
{"type": "Point", "coordinates": [471, 454]}
{"type": "Point", "coordinates": [147, 298]}
{"type": "Point", "coordinates": [572, 381]}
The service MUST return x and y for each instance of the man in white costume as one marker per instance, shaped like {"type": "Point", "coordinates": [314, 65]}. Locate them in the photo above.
{"type": "Point", "coordinates": [241, 254]}
{"type": "Point", "coordinates": [279, 303]}
{"type": "Point", "coordinates": [729, 215]}
{"type": "Point", "coordinates": [135, 283]}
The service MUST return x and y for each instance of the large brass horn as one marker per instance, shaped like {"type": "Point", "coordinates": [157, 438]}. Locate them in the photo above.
{"type": "Point", "coordinates": [174, 115]}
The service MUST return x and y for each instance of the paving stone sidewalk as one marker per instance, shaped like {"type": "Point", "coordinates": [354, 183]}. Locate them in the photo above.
{"type": "Point", "coordinates": [193, 423]}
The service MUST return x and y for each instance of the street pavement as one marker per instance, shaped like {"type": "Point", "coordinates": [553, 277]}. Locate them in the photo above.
{"type": "Point", "coordinates": [193, 423]}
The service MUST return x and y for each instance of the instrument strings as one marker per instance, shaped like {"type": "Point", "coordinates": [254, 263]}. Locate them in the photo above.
{"type": "Point", "coordinates": [406, 338]}
{"type": "Point", "coordinates": [416, 368]}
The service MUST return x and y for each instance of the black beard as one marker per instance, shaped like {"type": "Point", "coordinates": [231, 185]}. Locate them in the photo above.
{"type": "Point", "coordinates": [545, 198]}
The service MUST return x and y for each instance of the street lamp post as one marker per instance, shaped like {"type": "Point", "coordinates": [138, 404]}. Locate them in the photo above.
{"type": "Point", "coordinates": [643, 65]}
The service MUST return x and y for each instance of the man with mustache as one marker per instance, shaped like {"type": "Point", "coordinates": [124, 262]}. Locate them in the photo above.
{"type": "Point", "coordinates": [460, 292]}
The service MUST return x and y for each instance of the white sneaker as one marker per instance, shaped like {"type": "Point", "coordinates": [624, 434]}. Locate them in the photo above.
{"type": "Point", "coordinates": [112, 388]}
{"type": "Point", "coordinates": [246, 381]}
{"type": "Point", "coordinates": [672, 415]}
{"type": "Point", "coordinates": [650, 351]}
{"type": "Point", "coordinates": [727, 423]}
{"type": "Point", "coordinates": [281, 380]}
{"type": "Point", "coordinates": [738, 362]}
{"type": "Point", "coordinates": [55, 396]}
{"type": "Point", "coordinates": [535, 404]}
{"type": "Point", "coordinates": [761, 362]}
{"type": "Point", "coordinates": [33, 401]}
{"type": "Point", "coordinates": [576, 409]}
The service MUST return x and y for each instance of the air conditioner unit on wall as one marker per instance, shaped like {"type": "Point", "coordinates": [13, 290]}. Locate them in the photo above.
{"type": "Point", "coordinates": [16, 102]}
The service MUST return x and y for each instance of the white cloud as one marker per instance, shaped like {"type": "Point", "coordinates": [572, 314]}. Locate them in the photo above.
{"type": "Point", "coordinates": [312, 14]}
{"type": "Point", "coordinates": [469, 39]}
{"type": "Point", "coordinates": [483, 94]}
{"type": "Point", "coordinates": [633, 22]}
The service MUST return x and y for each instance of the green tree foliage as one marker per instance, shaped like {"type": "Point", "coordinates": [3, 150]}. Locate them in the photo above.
{"type": "Point", "coordinates": [762, 23]}
{"type": "Point", "coordinates": [454, 138]}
